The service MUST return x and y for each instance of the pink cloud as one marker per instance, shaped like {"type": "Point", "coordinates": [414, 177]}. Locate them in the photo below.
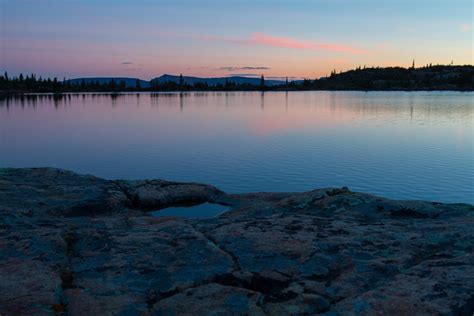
{"type": "Point", "coordinates": [286, 42]}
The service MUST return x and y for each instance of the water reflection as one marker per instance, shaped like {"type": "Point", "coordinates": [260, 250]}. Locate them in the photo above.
{"type": "Point", "coordinates": [398, 144]}
{"type": "Point", "coordinates": [307, 109]}
{"type": "Point", "coordinates": [360, 103]}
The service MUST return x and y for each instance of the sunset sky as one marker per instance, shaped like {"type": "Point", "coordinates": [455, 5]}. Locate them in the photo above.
{"type": "Point", "coordinates": [295, 38]}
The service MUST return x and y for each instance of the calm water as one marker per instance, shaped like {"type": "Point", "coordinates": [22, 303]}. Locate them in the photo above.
{"type": "Point", "coordinates": [204, 210]}
{"type": "Point", "coordinates": [395, 144]}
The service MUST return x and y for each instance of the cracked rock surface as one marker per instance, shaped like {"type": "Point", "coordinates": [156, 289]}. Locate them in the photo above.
{"type": "Point", "coordinates": [79, 245]}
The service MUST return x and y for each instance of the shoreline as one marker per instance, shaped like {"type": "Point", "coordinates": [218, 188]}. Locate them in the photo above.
{"type": "Point", "coordinates": [23, 93]}
{"type": "Point", "coordinates": [79, 244]}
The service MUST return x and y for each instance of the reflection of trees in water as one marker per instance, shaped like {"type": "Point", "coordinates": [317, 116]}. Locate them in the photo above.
{"type": "Point", "coordinates": [56, 99]}
{"type": "Point", "coordinates": [412, 105]}
{"type": "Point", "coordinates": [154, 97]}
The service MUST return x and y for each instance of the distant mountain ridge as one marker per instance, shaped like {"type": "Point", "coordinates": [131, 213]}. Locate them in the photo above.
{"type": "Point", "coordinates": [215, 81]}
{"type": "Point", "coordinates": [166, 78]}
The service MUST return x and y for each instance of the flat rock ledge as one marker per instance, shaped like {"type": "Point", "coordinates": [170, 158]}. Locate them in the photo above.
{"type": "Point", "coordinates": [79, 245]}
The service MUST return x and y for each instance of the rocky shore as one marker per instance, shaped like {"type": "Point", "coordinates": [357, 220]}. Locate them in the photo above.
{"type": "Point", "coordinates": [79, 245]}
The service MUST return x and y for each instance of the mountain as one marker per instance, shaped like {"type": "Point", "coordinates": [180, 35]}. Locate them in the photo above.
{"type": "Point", "coordinates": [129, 82]}
{"type": "Point", "coordinates": [215, 81]}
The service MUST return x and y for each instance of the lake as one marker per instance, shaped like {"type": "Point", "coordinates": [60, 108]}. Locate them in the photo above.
{"type": "Point", "coordinates": [402, 145]}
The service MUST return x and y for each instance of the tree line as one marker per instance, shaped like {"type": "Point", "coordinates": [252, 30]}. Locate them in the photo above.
{"type": "Point", "coordinates": [429, 77]}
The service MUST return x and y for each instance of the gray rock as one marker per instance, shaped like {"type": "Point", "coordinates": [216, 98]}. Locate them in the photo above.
{"type": "Point", "coordinates": [81, 245]}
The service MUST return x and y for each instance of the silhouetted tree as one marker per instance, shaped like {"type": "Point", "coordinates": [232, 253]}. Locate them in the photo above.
{"type": "Point", "coordinates": [262, 82]}
{"type": "Point", "coordinates": [226, 84]}
{"type": "Point", "coordinates": [431, 77]}
{"type": "Point", "coordinates": [137, 84]}
{"type": "Point", "coordinates": [306, 84]}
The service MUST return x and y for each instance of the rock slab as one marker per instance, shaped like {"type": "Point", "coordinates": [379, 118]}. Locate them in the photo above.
{"type": "Point", "coordinates": [79, 245]}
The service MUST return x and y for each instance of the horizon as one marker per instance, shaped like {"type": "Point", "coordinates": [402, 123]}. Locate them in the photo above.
{"type": "Point", "coordinates": [253, 76]}
{"type": "Point", "coordinates": [239, 38]}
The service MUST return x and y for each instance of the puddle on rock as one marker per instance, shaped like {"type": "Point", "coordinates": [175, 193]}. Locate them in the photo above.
{"type": "Point", "coordinates": [204, 210]}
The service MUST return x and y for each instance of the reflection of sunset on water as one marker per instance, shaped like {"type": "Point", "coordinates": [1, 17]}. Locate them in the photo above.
{"type": "Point", "coordinates": [392, 143]}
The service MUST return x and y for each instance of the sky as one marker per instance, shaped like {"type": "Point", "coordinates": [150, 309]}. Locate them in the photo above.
{"type": "Point", "coordinates": [207, 38]}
